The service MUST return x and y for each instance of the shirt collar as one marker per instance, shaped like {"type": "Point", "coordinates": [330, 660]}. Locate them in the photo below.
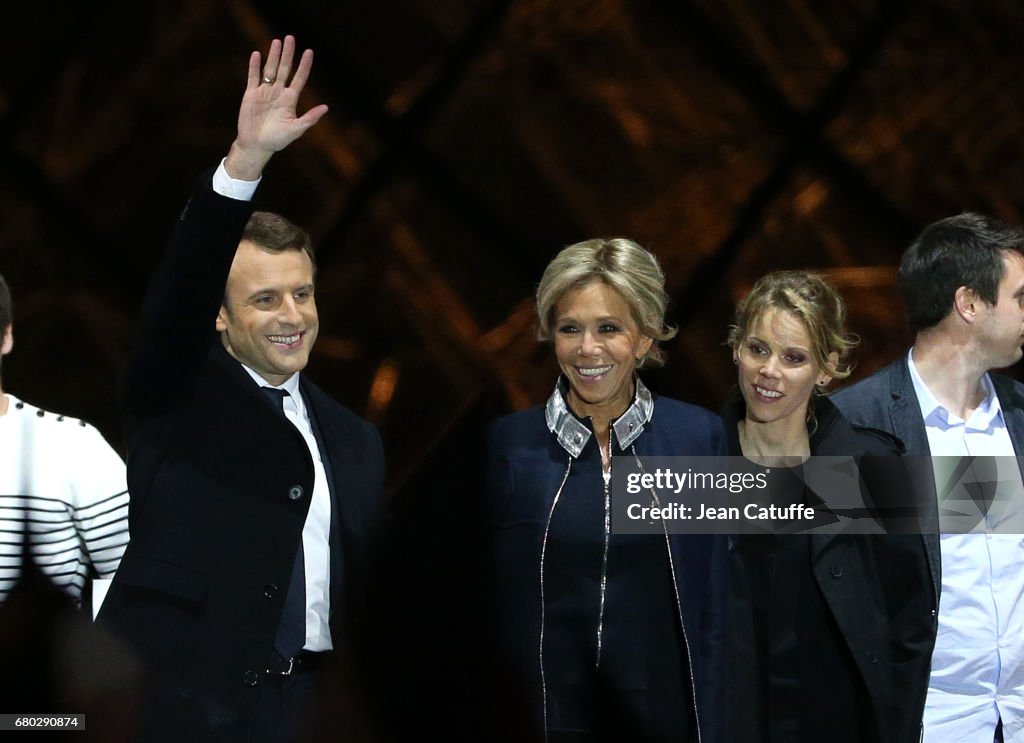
{"type": "Point", "coordinates": [290, 385]}
{"type": "Point", "coordinates": [933, 411]}
{"type": "Point", "coordinates": [989, 412]}
{"type": "Point", "coordinates": [573, 434]}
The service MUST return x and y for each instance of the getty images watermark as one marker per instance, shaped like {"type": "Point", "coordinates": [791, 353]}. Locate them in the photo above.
{"type": "Point", "coordinates": [830, 495]}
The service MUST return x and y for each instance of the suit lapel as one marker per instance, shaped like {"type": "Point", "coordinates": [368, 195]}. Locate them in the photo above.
{"type": "Point", "coordinates": [338, 459]}
{"type": "Point", "coordinates": [907, 424]}
{"type": "Point", "coordinates": [1012, 405]}
{"type": "Point", "coordinates": [905, 412]}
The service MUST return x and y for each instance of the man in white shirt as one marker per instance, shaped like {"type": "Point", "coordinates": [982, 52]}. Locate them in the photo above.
{"type": "Point", "coordinates": [254, 493]}
{"type": "Point", "coordinates": [963, 284]}
{"type": "Point", "coordinates": [61, 485]}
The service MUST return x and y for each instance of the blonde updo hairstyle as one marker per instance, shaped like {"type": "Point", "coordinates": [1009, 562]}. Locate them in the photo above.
{"type": "Point", "coordinates": [811, 299]}
{"type": "Point", "coordinates": [620, 264]}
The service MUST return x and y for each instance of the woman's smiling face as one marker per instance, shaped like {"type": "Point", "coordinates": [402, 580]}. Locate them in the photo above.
{"type": "Point", "coordinates": [777, 369]}
{"type": "Point", "coordinates": [598, 345]}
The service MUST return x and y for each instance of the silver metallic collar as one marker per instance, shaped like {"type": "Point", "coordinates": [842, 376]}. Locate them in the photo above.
{"type": "Point", "coordinates": [573, 434]}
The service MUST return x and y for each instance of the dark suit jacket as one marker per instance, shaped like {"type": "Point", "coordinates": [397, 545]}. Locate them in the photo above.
{"type": "Point", "coordinates": [220, 485]}
{"type": "Point", "coordinates": [886, 400]}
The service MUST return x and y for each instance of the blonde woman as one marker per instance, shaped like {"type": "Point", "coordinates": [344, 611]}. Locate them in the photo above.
{"type": "Point", "coordinates": [821, 636]}
{"type": "Point", "coordinates": [607, 635]}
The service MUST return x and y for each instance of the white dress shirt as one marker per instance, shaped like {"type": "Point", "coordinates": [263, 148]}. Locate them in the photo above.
{"type": "Point", "coordinates": [977, 674]}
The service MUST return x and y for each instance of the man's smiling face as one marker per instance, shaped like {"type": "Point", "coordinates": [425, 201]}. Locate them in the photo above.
{"type": "Point", "coordinates": [268, 320]}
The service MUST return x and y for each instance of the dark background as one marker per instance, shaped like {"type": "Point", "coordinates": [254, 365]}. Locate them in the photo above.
{"type": "Point", "coordinates": [468, 141]}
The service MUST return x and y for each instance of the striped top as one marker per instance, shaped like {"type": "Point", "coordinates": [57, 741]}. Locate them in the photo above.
{"type": "Point", "coordinates": [64, 486]}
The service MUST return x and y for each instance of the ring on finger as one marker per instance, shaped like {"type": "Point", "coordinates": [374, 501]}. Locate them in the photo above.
{"type": "Point", "coordinates": [268, 80]}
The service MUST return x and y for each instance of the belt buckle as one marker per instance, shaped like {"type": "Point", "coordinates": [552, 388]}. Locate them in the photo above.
{"type": "Point", "coordinates": [288, 671]}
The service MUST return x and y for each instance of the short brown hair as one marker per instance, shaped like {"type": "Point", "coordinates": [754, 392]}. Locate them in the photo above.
{"type": "Point", "coordinates": [624, 266]}
{"type": "Point", "coordinates": [275, 233]}
{"type": "Point", "coordinates": [813, 301]}
{"type": "Point", "coordinates": [965, 250]}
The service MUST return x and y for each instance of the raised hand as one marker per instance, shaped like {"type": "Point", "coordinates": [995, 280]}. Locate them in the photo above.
{"type": "Point", "coordinates": [267, 120]}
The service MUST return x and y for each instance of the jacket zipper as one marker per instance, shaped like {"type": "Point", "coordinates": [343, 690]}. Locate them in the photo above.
{"type": "Point", "coordinates": [607, 477]}
{"type": "Point", "coordinates": [604, 577]}
{"type": "Point", "coordinates": [679, 604]}
{"type": "Point", "coordinates": [543, 549]}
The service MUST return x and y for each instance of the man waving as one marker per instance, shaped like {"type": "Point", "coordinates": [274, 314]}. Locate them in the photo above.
{"type": "Point", "coordinates": [252, 491]}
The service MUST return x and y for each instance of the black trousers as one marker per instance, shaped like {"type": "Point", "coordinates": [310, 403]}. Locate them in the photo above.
{"type": "Point", "coordinates": [285, 710]}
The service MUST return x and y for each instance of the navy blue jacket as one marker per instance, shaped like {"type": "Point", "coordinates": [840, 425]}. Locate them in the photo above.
{"type": "Point", "coordinates": [526, 467]}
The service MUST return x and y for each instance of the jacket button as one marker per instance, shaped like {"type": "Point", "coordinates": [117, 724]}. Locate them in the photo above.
{"type": "Point", "coordinates": [872, 658]}
{"type": "Point", "coordinates": [837, 571]}
{"type": "Point", "coordinates": [270, 590]}
{"type": "Point", "coordinates": [251, 678]}
{"type": "Point", "coordinates": [295, 492]}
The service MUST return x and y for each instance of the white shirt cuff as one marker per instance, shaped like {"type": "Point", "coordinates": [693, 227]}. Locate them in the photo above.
{"type": "Point", "coordinates": [233, 188]}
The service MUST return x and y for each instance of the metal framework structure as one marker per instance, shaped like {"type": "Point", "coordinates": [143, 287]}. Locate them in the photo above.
{"type": "Point", "coordinates": [468, 141]}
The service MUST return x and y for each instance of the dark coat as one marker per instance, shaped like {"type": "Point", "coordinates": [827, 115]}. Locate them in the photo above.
{"type": "Point", "coordinates": [220, 485]}
{"type": "Point", "coordinates": [526, 465]}
{"type": "Point", "coordinates": [872, 602]}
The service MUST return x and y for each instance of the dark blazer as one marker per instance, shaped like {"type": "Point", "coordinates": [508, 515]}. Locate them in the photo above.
{"type": "Point", "coordinates": [220, 485]}
{"type": "Point", "coordinates": [886, 400]}
{"type": "Point", "coordinates": [875, 637]}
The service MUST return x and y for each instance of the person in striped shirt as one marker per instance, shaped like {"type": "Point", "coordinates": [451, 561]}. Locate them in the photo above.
{"type": "Point", "coordinates": [61, 485]}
